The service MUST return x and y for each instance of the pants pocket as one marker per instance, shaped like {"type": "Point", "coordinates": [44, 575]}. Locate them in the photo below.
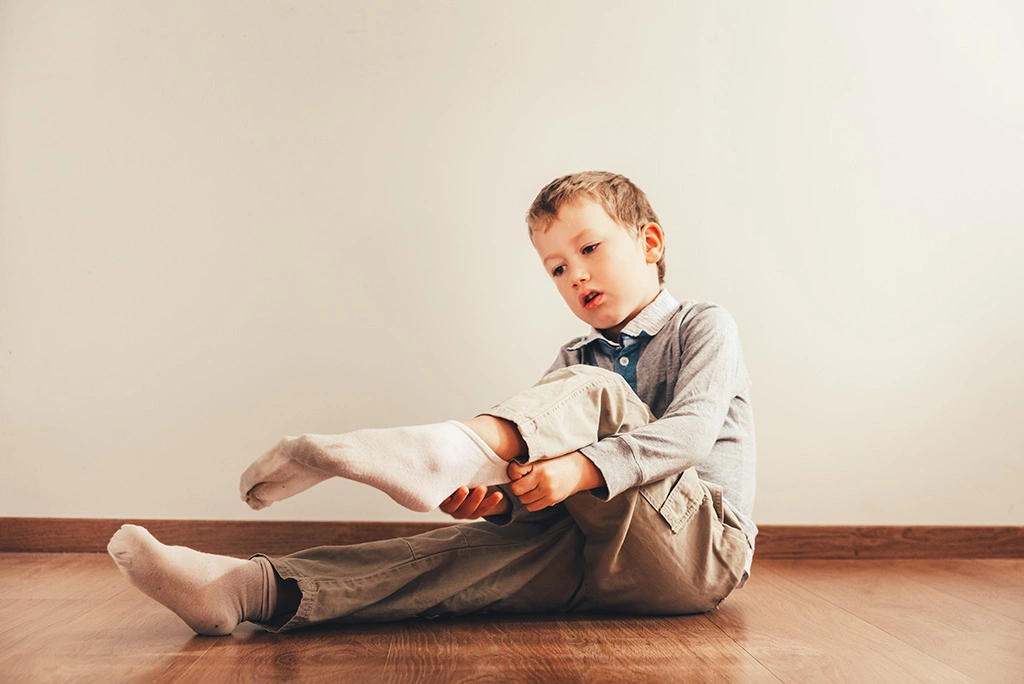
{"type": "Point", "coordinates": [677, 501]}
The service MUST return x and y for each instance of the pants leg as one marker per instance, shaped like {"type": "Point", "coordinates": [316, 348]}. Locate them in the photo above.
{"type": "Point", "coordinates": [521, 567]}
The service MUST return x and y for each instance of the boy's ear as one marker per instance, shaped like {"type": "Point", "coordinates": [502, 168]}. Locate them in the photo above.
{"type": "Point", "coordinates": [653, 240]}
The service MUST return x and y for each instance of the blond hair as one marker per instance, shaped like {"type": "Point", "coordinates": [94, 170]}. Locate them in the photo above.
{"type": "Point", "coordinates": [620, 198]}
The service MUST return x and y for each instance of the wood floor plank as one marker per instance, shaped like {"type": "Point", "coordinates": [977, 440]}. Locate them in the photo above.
{"type": "Point", "coordinates": [39, 591]}
{"type": "Point", "coordinates": [801, 637]}
{"type": "Point", "coordinates": [61, 668]}
{"type": "Point", "coordinates": [515, 648]}
{"type": "Point", "coordinates": [127, 624]}
{"type": "Point", "coordinates": [60, 576]}
{"type": "Point", "coordinates": [980, 643]}
{"type": "Point", "coordinates": [120, 636]}
{"type": "Point", "coordinates": [321, 654]}
{"type": "Point", "coordinates": [20, 619]}
{"type": "Point", "coordinates": [467, 649]}
{"type": "Point", "coordinates": [689, 648]}
{"type": "Point", "coordinates": [995, 584]}
{"type": "Point", "coordinates": [479, 649]}
{"type": "Point", "coordinates": [17, 568]}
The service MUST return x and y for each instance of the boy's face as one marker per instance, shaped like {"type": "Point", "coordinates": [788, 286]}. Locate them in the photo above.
{"type": "Point", "coordinates": [603, 273]}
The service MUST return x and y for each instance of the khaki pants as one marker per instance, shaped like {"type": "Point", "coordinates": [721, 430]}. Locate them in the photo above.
{"type": "Point", "coordinates": [667, 548]}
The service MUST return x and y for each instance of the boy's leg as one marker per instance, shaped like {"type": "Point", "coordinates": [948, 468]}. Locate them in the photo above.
{"type": "Point", "coordinates": [522, 567]}
{"type": "Point", "coordinates": [418, 466]}
{"type": "Point", "coordinates": [457, 570]}
{"type": "Point", "coordinates": [669, 547]}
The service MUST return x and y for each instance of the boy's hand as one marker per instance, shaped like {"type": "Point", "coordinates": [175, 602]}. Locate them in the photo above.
{"type": "Point", "coordinates": [544, 483]}
{"type": "Point", "coordinates": [464, 504]}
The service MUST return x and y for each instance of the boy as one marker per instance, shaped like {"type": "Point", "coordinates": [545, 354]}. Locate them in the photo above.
{"type": "Point", "coordinates": [606, 502]}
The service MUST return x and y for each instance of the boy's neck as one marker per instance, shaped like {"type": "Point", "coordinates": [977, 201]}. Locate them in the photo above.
{"type": "Point", "coordinates": [615, 334]}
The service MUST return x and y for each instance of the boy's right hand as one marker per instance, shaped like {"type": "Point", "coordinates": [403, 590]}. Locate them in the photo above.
{"type": "Point", "coordinates": [464, 504]}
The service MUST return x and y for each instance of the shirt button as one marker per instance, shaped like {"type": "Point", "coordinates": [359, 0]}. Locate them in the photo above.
{"type": "Point", "coordinates": [624, 361]}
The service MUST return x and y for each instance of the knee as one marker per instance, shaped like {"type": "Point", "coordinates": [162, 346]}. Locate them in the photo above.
{"type": "Point", "coordinates": [584, 373]}
{"type": "Point", "coordinates": [595, 381]}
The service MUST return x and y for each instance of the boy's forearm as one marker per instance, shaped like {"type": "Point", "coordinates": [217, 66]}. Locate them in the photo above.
{"type": "Point", "coordinates": [666, 446]}
{"type": "Point", "coordinates": [590, 476]}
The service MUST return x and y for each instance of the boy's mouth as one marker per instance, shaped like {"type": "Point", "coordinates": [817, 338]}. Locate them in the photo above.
{"type": "Point", "coordinates": [590, 299]}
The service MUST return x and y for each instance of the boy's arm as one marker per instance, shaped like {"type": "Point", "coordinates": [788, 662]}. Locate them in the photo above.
{"type": "Point", "coordinates": [710, 375]}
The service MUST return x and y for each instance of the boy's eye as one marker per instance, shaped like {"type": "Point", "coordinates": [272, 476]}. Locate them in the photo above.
{"type": "Point", "coordinates": [590, 248]}
{"type": "Point", "coordinates": [558, 270]}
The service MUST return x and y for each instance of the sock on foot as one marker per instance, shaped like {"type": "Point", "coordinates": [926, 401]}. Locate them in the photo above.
{"type": "Point", "coordinates": [277, 475]}
{"type": "Point", "coordinates": [211, 593]}
{"type": "Point", "coordinates": [417, 466]}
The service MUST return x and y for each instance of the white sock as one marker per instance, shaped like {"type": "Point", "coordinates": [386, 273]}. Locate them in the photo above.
{"type": "Point", "coordinates": [212, 594]}
{"type": "Point", "coordinates": [417, 466]}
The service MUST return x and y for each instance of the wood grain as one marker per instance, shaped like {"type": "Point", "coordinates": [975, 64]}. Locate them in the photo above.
{"type": "Point", "coordinates": [802, 637]}
{"type": "Point", "coordinates": [978, 642]}
{"type": "Point", "coordinates": [996, 584]}
{"type": "Point", "coordinates": [92, 628]}
{"type": "Point", "coordinates": [245, 537]}
{"type": "Point", "coordinates": [72, 617]}
{"type": "Point", "coordinates": [615, 648]}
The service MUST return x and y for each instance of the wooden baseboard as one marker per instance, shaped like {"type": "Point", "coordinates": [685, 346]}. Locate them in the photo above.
{"type": "Point", "coordinates": [889, 541]}
{"type": "Point", "coordinates": [241, 538]}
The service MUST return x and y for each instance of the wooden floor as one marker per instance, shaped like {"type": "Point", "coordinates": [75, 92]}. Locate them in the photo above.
{"type": "Point", "coordinates": [71, 618]}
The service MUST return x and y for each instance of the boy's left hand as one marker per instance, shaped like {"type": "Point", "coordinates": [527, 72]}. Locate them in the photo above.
{"type": "Point", "coordinates": [466, 504]}
{"type": "Point", "coordinates": [545, 483]}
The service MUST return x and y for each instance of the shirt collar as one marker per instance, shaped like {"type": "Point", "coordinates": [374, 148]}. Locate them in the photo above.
{"type": "Point", "coordinates": [651, 319]}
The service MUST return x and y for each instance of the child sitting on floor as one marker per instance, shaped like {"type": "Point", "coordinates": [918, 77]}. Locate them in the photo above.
{"type": "Point", "coordinates": [622, 481]}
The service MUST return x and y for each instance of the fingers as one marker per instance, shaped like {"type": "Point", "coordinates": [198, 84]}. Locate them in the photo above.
{"type": "Point", "coordinates": [530, 492]}
{"type": "Point", "coordinates": [527, 480]}
{"type": "Point", "coordinates": [526, 485]}
{"type": "Point", "coordinates": [535, 500]}
{"type": "Point", "coordinates": [452, 503]}
{"type": "Point", "coordinates": [466, 504]}
{"type": "Point", "coordinates": [469, 507]}
{"type": "Point", "coordinates": [517, 471]}
{"type": "Point", "coordinates": [490, 505]}
{"type": "Point", "coordinates": [536, 486]}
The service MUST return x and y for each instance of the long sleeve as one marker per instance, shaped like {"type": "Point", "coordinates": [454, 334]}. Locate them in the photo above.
{"type": "Point", "coordinates": [708, 375]}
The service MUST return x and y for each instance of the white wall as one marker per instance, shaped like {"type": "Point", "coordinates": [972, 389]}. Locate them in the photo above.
{"type": "Point", "coordinates": [222, 222]}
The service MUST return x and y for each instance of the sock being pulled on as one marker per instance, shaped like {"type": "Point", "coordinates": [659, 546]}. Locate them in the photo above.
{"type": "Point", "coordinates": [417, 466]}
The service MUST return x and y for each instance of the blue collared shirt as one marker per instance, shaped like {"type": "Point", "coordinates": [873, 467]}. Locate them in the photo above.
{"type": "Point", "coordinates": [625, 353]}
